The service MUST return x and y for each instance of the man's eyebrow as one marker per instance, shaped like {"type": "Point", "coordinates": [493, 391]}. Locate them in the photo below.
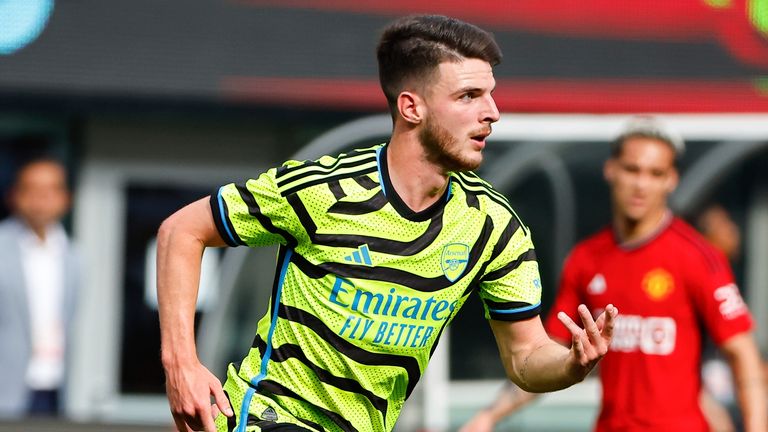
{"type": "Point", "coordinates": [468, 89]}
{"type": "Point", "coordinates": [471, 88]}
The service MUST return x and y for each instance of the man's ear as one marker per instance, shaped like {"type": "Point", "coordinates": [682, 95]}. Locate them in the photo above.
{"type": "Point", "coordinates": [609, 170]}
{"type": "Point", "coordinates": [673, 180]}
{"type": "Point", "coordinates": [411, 107]}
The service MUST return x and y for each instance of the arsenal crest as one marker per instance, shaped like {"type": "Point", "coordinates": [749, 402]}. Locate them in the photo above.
{"type": "Point", "coordinates": [454, 260]}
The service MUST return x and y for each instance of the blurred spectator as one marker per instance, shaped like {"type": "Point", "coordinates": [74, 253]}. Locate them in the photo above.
{"type": "Point", "coordinates": [38, 280]}
{"type": "Point", "coordinates": [716, 225]}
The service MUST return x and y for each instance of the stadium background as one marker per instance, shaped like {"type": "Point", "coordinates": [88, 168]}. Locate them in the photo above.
{"type": "Point", "coordinates": [152, 104]}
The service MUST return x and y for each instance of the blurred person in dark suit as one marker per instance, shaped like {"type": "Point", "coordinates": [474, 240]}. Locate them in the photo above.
{"type": "Point", "coordinates": [38, 279]}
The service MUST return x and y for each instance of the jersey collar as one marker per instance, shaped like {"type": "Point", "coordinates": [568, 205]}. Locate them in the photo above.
{"type": "Point", "coordinates": [399, 205]}
{"type": "Point", "coordinates": [665, 222]}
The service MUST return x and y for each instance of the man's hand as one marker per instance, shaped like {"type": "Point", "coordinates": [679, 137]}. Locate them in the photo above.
{"type": "Point", "coordinates": [181, 241]}
{"type": "Point", "coordinates": [189, 390]}
{"type": "Point", "coordinates": [589, 344]}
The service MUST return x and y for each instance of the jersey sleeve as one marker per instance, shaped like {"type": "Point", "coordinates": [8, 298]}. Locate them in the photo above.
{"type": "Point", "coordinates": [567, 299]}
{"type": "Point", "coordinates": [254, 213]}
{"type": "Point", "coordinates": [510, 289]}
{"type": "Point", "coordinates": [717, 298]}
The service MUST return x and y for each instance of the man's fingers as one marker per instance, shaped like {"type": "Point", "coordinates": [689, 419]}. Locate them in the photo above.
{"type": "Point", "coordinates": [568, 322]}
{"type": "Point", "coordinates": [608, 319]}
{"type": "Point", "coordinates": [589, 324]}
{"type": "Point", "coordinates": [208, 424]}
{"type": "Point", "coordinates": [181, 425]}
{"type": "Point", "coordinates": [577, 335]}
{"type": "Point", "coordinates": [221, 399]}
{"type": "Point", "coordinates": [590, 343]}
{"type": "Point", "coordinates": [578, 347]}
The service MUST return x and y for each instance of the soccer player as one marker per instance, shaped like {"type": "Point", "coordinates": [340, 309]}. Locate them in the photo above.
{"type": "Point", "coordinates": [669, 282]}
{"type": "Point", "coordinates": [380, 248]}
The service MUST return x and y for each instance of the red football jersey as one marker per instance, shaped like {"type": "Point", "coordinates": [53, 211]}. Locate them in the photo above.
{"type": "Point", "coordinates": [667, 289]}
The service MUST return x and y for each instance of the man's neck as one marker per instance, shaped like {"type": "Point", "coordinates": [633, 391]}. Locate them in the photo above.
{"type": "Point", "coordinates": [634, 232]}
{"type": "Point", "coordinates": [418, 182]}
{"type": "Point", "coordinates": [39, 231]}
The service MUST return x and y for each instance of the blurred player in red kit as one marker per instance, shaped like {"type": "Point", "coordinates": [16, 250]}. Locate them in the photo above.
{"type": "Point", "coordinates": [669, 283]}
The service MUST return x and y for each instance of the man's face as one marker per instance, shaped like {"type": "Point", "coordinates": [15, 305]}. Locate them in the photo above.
{"type": "Point", "coordinates": [641, 178]}
{"type": "Point", "coordinates": [40, 196]}
{"type": "Point", "coordinates": [721, 231]}
{"type": "Point", "coordinates": [460, 110]}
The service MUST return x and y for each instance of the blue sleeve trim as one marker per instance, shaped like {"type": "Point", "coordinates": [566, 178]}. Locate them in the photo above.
{"type": "Point", "coordinates": [221, 219]}
{"type": "Point", "coordinates": [516, 310]}
{"type": "Point", "coordinates": [515, 314]}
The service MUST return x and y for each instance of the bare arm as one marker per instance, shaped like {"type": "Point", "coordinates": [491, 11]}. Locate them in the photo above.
{"type": "Point", "coordinates": [744, 359]}
{"type": "Point", "coordinates": [189, 385]}
{"type": "Point", "coordinates": [541, 364]}
{"type": "Point", "coordinates": [718, 418]}
{"type": "Point", "coordinates": [509, 400]}
{"type": "Point", "coordinates": [538, 364]}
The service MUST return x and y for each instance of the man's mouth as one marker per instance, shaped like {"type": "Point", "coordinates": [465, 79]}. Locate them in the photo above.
{"type": "Point", "coordinates": [637, 201]}
{"type": "Point", "coordinates": [481, 135]}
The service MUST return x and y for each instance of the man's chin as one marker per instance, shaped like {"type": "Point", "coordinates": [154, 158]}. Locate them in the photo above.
{"type": "Point", "coordinates": [634, 216]}
{"type": "Point", "coordinates": [466, 167]}
{"type": "Point", "coordinates": [471, 164]}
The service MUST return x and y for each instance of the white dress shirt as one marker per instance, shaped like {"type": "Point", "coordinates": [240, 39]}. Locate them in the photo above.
{"type": "Point", "coordinates": [43, 262]}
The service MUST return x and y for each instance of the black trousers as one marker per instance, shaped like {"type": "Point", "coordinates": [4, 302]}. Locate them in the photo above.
{"type": "Point", "coordinates": [43, 403]}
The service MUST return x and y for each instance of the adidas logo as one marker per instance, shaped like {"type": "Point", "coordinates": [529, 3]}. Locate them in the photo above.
{"type": "Point", "coordinates": [269, 414]}
{"type": "Point", "coordinates": [360, 256]}
{"type": "Point", "coordinates": [597, 285]}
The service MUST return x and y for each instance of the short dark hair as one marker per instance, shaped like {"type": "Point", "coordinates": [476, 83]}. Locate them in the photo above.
{"type": "Point", "coordinates": [412, 47]}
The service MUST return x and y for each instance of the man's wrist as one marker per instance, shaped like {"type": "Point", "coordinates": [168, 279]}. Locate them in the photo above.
{"type": "Point", "coordinates": [575, 371]}
{"type": "Point", "coordinates": [171, 358]}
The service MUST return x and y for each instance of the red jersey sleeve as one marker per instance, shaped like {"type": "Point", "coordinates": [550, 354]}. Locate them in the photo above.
{"type": "Point", "coordinates": [567, 299]}
{"type": "Point", "coordinates": [716, 296]}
